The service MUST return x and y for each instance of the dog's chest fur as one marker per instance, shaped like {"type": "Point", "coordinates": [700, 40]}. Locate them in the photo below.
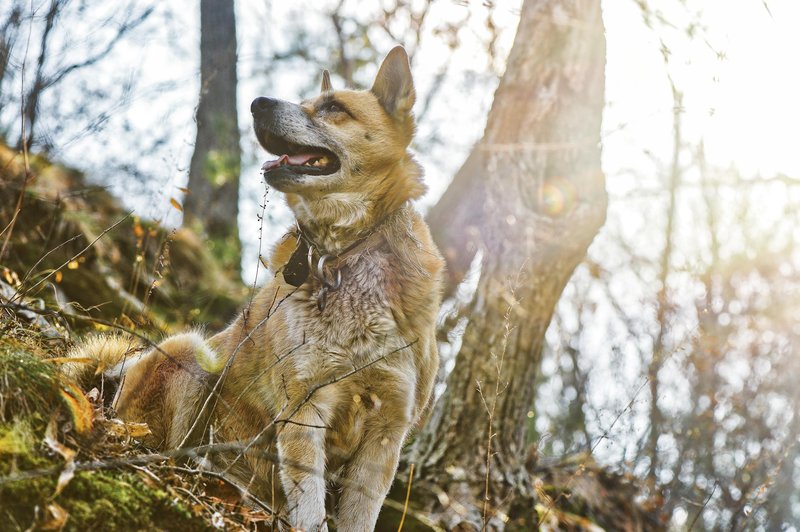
{"type": "Point", "coordinates": [357, 318]}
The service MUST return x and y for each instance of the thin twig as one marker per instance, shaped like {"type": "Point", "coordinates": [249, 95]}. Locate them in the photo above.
{"type": "Point", "coordinates": [244, 493]}
{"type": "Point", "coordinates": [408, 496]}
{"type": "Point", "coordinates": [21, 293]}
{"type": "Point", "coordinates": [700, 511]}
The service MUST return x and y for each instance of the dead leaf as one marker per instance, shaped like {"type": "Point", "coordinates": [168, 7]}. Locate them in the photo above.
{"type": "Point", "coordinates": [93, 395]}
{"type": "Point", "coordinates": [51, 439]}
{"type": "Point", "coordinates": [79, 407]}
{"type": "Point", "coordinates": [122, 429]}
{"type": "Point", "coordinates": [175, 204]}
{"type": "Point", "coordinates": [56, 518]}
{"type": "Point", "coordinates": [64, 477]}
{"type": "Point", "coordinates": [11, 277]}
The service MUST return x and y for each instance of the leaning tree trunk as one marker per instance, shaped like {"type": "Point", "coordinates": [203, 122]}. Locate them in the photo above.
{"type": "Point", "coordinates": [212, 204]}
{"type": "Point", "coordinates": [530, 198]}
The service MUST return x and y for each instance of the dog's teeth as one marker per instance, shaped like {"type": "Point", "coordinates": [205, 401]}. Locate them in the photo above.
{"type": "Point", "coordinates": [321, 161]}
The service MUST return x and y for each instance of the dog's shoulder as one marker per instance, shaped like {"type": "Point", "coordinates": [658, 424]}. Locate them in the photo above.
{"type": "Point", "coordinates": [416, 279]}
{"type": "Point", "coordinates": [429, 255]}
{"type": "Point", "coordinates": [410, 240]}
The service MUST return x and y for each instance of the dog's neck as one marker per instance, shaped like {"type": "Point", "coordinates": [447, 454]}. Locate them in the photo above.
{"type": "Point", "coordinates": [337, 220]}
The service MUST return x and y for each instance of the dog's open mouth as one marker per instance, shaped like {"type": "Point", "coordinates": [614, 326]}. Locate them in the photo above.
{"type": "Point", "coordinates": [301, 159]}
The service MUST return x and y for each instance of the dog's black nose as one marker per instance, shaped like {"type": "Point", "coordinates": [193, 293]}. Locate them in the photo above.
{"type": "Point", "coordinates": [262, 104]}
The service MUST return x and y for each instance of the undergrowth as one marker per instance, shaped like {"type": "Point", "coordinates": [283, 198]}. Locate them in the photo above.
{"type": "Point", "coordinates": [39, 417]}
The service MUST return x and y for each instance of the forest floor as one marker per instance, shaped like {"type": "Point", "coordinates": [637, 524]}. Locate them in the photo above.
{"type": "Point", "coordinates": [74, 262]}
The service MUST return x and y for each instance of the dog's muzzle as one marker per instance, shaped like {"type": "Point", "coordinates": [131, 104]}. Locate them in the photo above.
{"type": "Point", "coordinates": [283, 129]}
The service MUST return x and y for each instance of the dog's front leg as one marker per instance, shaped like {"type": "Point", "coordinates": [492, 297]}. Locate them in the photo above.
{"type": "Point", "coordinates": [301, 449]}
{"type": "Point", "coordinates": [368, 478]}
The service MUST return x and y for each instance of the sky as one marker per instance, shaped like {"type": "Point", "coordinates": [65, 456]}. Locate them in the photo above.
{"type": "Point", "coordinates": [738, 77]}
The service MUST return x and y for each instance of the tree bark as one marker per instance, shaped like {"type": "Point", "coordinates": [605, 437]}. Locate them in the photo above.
{"type": "Point", "coordinates": [212, 204]}
{"type": "Point", "coordinates": [530, 198]}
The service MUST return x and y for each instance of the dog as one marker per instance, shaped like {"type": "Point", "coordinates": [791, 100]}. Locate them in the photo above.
{"type": "Point", "coordinates": [335, 357]}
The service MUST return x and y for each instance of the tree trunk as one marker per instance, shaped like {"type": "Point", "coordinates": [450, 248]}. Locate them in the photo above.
{"type": "Point", "coordinates": [531, 198]}
{"type": "Point", "coordinates": [212, 204]}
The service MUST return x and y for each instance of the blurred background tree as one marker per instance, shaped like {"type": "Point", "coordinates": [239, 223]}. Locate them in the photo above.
{"type": "Point", "coordinates": [212, 200]}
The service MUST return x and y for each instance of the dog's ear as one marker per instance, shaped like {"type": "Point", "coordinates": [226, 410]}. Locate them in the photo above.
{"type": "Point", "coordinates": [393, 85]}
{"type": "Point", "coordinates": [326, 82]}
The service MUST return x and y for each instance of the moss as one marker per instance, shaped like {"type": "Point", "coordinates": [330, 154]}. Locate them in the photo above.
{"type": "Point", "coordinates": [16, 437]}
{"type": "Point", "coordinates": [29, 386]}
{"type": "Point", "coordinates": [99, 500]}
{"type": "Point", "coordinates": [94, 500]}
{"type": "Point", "coordinates": [121, 501]}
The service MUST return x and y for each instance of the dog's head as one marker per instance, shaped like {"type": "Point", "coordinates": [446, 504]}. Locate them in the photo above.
{"type": "Point", "coordinates": [344, 151]}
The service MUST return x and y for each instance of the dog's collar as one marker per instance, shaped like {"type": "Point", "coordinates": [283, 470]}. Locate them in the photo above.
{"type": "Point", "coordinates": [310, 260]}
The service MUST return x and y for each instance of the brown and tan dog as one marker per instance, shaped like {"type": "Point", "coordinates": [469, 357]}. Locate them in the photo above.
{"type": "Point", "coordinates": [337, 353]}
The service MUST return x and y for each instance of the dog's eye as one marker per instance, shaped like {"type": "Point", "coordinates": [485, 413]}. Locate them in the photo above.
{"type": "Point", "coordinates": [334, 108]}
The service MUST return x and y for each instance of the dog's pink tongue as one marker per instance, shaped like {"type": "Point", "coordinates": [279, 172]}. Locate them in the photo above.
{"type": "Point", "coordinates": [294, 160]}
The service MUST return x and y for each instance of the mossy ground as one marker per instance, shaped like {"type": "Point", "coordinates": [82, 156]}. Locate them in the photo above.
{"type": "Point", "coordinates": [31, 399]}
{"type": "Point", "coordinates": [96, 500]}
{"type": "Point", "coordinates": [77, 262]}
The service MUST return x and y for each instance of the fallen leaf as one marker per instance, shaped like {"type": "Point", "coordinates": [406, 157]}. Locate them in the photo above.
{"type": "Point", "coordinates": [79, 407]}
{"type": "Point", "coordinates": [122, 429]}
{"type": "Point", "coordinates": [56, 518]}
{"type": "Point", "coordinates": [64, 477]}
{"type": "Point", "coordinates": [175, 204]}
{"type": "Point", "coordinates": [11, 277]}
{"type": "Point", "coordinates": [93, 395]}
{"type": "Point", "coordinates": [51, 439]}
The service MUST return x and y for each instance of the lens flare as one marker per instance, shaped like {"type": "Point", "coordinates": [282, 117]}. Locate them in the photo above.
{"type": "Point", "coordinates": [558, 197]}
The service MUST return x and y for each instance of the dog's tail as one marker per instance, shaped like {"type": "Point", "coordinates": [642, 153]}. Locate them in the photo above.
{"type": "Point", "coordinates": [97, 355]}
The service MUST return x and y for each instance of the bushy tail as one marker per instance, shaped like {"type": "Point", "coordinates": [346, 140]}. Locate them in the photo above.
{"type": "Point", "coordinates": [97, 354]}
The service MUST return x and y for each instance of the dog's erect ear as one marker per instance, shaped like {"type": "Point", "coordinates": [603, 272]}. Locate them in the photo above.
{"type": "Point", "coordinates": [393, 85]}
{"type": "Point", "coordinates": [326, 82]}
